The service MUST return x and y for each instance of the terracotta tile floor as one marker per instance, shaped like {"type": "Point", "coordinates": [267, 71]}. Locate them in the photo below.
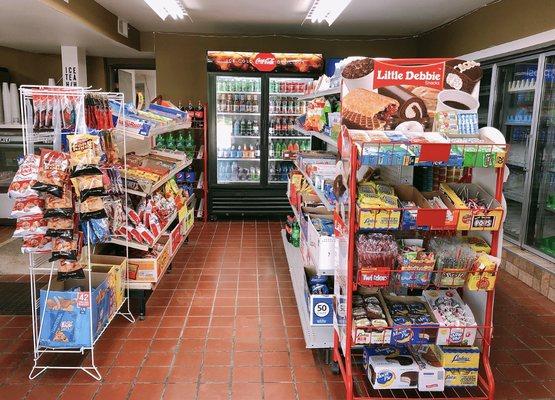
{"type": "Point", "coordinates": [223, 325]}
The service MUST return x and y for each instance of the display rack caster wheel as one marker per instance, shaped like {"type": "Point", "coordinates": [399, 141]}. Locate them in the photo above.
{"type": "Point", "coordinates": [334, 367]}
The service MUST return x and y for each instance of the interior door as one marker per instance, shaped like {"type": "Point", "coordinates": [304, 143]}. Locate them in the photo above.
{"type": "Point", "coordinates": [126, 84]}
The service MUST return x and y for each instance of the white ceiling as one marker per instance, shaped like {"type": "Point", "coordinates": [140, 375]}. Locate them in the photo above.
{"type": "Point", "coordinates": [34, 26]}
{"type": "Point", "coordinates": [362, 17]}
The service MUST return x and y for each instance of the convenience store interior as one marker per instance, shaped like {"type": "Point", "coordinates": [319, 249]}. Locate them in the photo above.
{"type": "Point", "coordinates": [310, 200]}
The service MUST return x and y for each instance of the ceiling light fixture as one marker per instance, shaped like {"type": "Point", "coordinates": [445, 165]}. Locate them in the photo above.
{"type": "Point", "coordinates": [326, 10]}
{"type": "Point", "coordinates": [165, 8]}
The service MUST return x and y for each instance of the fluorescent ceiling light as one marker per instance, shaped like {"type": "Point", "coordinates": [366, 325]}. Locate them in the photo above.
{"type": "Point", "coordinates": [165, 8]}
{"type": "Point", "coordinates": [326, 10]}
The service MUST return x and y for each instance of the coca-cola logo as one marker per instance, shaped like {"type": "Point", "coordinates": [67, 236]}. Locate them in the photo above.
{"type": "Point", "coordinates": [265, 62]}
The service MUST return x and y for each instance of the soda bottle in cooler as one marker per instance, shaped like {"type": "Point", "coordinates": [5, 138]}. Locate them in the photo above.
{"type": "Point", "coordinates": [239, 152]}
{"type": "Point", "coordinates": [249, 127]}
{"type": "Point", "coordinates": [243, 128]}
{"type": "Point", "coordinates": [257, 150]}
{"type": "Point", "coordinates": [254, 104]}
{"type": "Point", "coordinates": [199, 115]}
{"type": "Point", "coordinates": [271, 149]}
{"type": "Point", "coordinates": [255, 128]}
{"type": "Point", "coordinates": [236, 128]}
{"type": "Point", "coordinates": [233, 172]}
{"type": "Point", "coordinates": [291, 126]}
{"type": "Point", "coordinates": [257, 85]}
{"type": "Point", "coordinates": [272, 128]}
{"type": "Point", "coordinates": [251, 151]}
{"type": "Point", "coordinates": [248, 104]}
{"type": "Point", "coordinates": [296, 146]}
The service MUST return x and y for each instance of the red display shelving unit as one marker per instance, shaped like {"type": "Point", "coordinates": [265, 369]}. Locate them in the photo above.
{"type": "Point", "coordinates": [346, 228]}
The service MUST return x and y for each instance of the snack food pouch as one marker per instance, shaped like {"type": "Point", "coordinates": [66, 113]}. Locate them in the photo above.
{"type": "Point", "coordinates": [25, 178]}
{"type": "Point", "coordinates": [59, 206]}
{"type": "Point", "coordinates": [85, 153]}
{"type": "Point", "coordinates": [53, 172]}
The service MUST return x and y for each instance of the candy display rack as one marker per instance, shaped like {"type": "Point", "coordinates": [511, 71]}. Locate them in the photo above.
{"type": "Point", "coordinates": [347, 227]}
{"type": "Point", "coordinates": [39, 266]}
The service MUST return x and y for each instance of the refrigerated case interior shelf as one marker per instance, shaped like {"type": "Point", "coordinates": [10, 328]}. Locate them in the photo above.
{"type": "Point", "coordinates": [316, 337]}
{"type": "Point", "coordinates": [238, 159]}
{"type": "Point", "coordinates": [245, 137]}
{"type": "Point", "coordinates": [256, 114]}
{"type": "Point", "coordinates": [227, 92]}
{"type": "Point", "coordinates": [518, 123]}
{"type": "Point", "coordinates": [290, 137]}
{"type": "Point", "coordinates": [284, 115]}
{"type": "Point", "coordinates": [285, 94]}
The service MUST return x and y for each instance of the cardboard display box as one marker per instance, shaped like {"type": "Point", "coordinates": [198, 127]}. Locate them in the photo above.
{"type": "Point", "coordinates": [321, 248]}
{"type": "Point", "coordinates": [451, 215]}
{"type": "Point", "coordinates": [320, 306]}
{"type": "Point", "coordinates": [456, 357]}
{"type": "Point", "coordinates": [393, 372]}
{"type": "Point", "coordinates": [114, 267]}
{"type": "Point", "coordinates": [150, 269]}
{"type": "Point", "coordinates": [66, 313]}
{"type": "Point", "coordinates": [374, 335]}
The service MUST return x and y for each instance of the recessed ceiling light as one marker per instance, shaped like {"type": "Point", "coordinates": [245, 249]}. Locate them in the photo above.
{"type": "Point", "coordinates": [326, 10]}
{"type": "Point", "coordinates": [165, 8]}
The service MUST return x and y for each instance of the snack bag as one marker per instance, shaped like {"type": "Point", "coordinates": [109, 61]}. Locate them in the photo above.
{"type": "Point", "coordinates": [64, 249]}
{"type": "Point", "coordinates": [95, 231]}
{"type": "Point", "coordinates": [84, 153]}
{"type": "Point", "coordinates": [70, 270]}
{"type": "Point", "coordinates": [60, 227]}
{"type": "Point", "coordinates": [35, 225]}
{"type": "Point", "coordinates": [53, 172]}
{"type": "Point", "coordinates": [88, 185]}
{"type": "Point", "coordinates": [25, 178]}
{"type": "Point", "coordinates": [27, 207]}
{"type": "Point", "coordinates": [92, 208]}
{"type": "Point", "coordinates": [59, 206]}
{"type": "Point", "coordinates": [36, 244]}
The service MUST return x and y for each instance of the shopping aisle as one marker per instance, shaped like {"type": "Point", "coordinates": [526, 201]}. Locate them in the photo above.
{"type": "Point", "coordinates": [223, 325]}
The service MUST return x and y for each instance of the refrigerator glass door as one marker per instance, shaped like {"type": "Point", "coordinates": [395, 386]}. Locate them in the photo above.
{"type": "Point", "coordinates": [513, 116]}
{"type": "Point", "coordinates": [483, 97]}
{"type": "Point", "coordinates": [541, 220]}
{"type": "Point", "coordinates": [284, 108]}
{"type": "Point", "coordinates": [238, 129]}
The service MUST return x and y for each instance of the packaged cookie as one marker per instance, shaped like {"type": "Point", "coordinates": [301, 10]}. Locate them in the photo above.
{"type": "Point", "coordinates": [27, 207]}
{"type": "Point", "coordinates": [60, 227]}
{"type": "Point", "coordinates": [53, 172]}
{"type": "Point", "coordinates": [25, 178]}
{"type": "Point", "coordinates": [59, 206]}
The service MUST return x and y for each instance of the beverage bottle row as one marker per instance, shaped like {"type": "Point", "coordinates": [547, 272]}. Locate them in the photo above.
{"type": "Point", "coordinates": [245, 127]}
{"type": "Point", "coordinates": [279, 171]}
{"type": "Point", "coordinates": [287, 86]}
{"type": "Point", "coordinates": [240, 151]}
{"type": "Point", "coordinates": [237, 85]}
{"type": "Point", "coordinates": [286, 105]}
{"type": "Point", "coordinates": [231, 171]}
{"type": "Point", "coordinates": [278, 147]}
{"type": "Point", "coordinates": [196, 114]}
{"type": "Point", "coordinates": [179, 140]}
{"type": "Point", "coordinates": [282, 126]}
{"type": "Point", "coordinates": [237, 103]}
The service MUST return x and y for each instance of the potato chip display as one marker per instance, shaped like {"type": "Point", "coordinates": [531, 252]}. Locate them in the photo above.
{"type": "Point", "coordinates": [53, 172]}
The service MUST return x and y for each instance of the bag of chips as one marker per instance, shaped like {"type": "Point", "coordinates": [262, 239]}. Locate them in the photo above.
{"type": "Point", "coordinates": [53, 172]}
{"type": "Point", "coordinates": [95, 231]}
{"type": "Point", "coordinates": [66, 249]}
{"type": "Point", "coordinates": [27, 207]}
{"type": "Point", "coordinates": [70, 270]}
{"type": "Point", "coordinates": [36, 244]}
{"type": "Point", "coordinates": [35, 225]}
{"type": "Point", "coordinates": [84, 153]}
{"type": "Point", "coordinates": [25, 178]}
{"type": "Point", "coordinates": [59, 207]}
{"type": "Point", "coordinates": [88, 185]}
{"type": "Point", "coordinates": [92, 208]}
{"type": "Point", "coordinates": [60, 227]}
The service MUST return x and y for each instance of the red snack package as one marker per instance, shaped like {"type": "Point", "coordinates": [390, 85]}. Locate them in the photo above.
{"type": "Point", "coordinates": [36, 244]}
{"type": "Point", "coordinates": [135, 235]}
{"type": "Point", "coordinates": [70, 270]}
{"type": "Point", "coordinates": [154, 225]}
{"type": "Point", "coordinates": [35, 225]}
{"type": "Point", "coordinates": [60, 206]}
{"type": "Point", "coordinates": [53, 172]}
{"type": "Point", "coordinates": [62, 248]}
{"type": "Point", "coordinates": [60, 227]}
{"type": "Point", "coordinates": [27, 207]}
{"type": "Point", "coordinates": [147, 235]}
{"type": "Point", "coordinates": [133, 216]}
{"type": "Point", "coordinates": [25, 178]}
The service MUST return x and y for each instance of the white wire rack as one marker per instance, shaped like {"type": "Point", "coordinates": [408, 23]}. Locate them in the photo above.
{"type": "Point", "coordinates": [38, 263]}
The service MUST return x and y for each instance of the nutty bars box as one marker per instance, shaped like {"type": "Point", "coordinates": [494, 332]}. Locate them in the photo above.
{"type": "Point", "coordinates": [385, 94]}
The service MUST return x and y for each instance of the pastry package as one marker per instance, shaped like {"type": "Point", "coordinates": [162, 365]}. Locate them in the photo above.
{"type": "Point", "coordinates": [25, 178]}
{"type": "Point", "coordinates": [88, 185]}
{"type": "Point", "coordinates": [35, 225]}
{"type": "Point", "coordinates": [27, 207]}
{"type": "Point", "coordinates": [66, 249]}
{"type": "Point", "coordinates": [69, 269]}
{"type": "Point", "coordinates": [59, 206]}
{"type": "Point", "coordinates": [36, 244]}
{"type": "Point", "coordinates": [60, 227]}
{"type": "Point", "coordinates": [92, 208]}
{"type": "Point", "coordinates": [53, 172]}
{"type": "Point", "coordinates": [85, 153]}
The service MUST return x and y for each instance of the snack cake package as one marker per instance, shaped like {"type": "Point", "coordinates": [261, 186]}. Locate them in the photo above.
{"type": "Point", "coordinates": [405, 94]}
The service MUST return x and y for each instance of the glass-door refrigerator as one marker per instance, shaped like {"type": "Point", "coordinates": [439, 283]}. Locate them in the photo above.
{"type": "Point", "coordinates": [513, 115]}
{"type": "Point", "coordinates": [253, 104]}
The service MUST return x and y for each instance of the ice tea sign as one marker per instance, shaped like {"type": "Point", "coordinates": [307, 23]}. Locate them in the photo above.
{"type": "Point", "coordinates": [74, 67]}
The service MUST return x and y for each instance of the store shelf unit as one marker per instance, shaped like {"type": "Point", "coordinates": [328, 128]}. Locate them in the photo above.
{"type": "Point", "coordinates": [201, 168]}
{"type": "Point", "coordinates": [320, 194]}
{"type": "Point", "coordinates": [145, 190]}
{"type": "Point", "coordinates": [316, 337]}
{"type": "Point", "coordinates": [327, 92]}
{"type": "Point", "coordinates": [322, 136]}
{"type": "Point", "coordinates": [38, 263]}
{"type": "Point", "coordinates": [345, 352]}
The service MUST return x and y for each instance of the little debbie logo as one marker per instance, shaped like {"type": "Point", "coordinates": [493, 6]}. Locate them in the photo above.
{"type": "Point", "coordinates": [430, 75]}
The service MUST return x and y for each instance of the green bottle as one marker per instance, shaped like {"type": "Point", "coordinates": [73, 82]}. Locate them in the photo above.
{"type": "Point", "coordinates": [181, 144]}
{"type": "Point", "coordinates": [160, 142]}
{"type": "Point", "coordinates": [296, 235]}
{"type": "Point", "coordinates": [170, 141]}
{"type": "Point", "coordinates": [189, 141]}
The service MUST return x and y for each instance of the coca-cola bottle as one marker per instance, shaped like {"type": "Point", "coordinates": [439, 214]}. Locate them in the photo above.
{"type": "Point", "coordinates": [254, 104]}
{"type": "Point", "coordinates": [236, 104]}
{"type": "Point", "coordinates": [199, 115]}
{"type": "Point", "coordinates": [248, 104]}
{"type": "Point", "coordinates": [291, 126]}
{"type": "Point", "coordinates": [190, 111]}
{"type": "Point", "coordinates": [272, 129]}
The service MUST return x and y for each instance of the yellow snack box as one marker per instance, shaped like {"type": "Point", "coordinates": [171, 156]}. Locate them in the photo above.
{"type": "Point", "coordinates": [457, 357]}
{"type": "Point", "coordinates": [455, 377]}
